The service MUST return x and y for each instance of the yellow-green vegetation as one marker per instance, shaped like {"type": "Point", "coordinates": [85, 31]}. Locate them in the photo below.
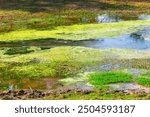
{"type": "Point", "coordinates": [103, 78]}
{"type": "Point", "coordinates": [61, 61]}
{"type": "Point", "coordinates": [55, 62]}
{"type": "Point", "coordinates": [77, 32]}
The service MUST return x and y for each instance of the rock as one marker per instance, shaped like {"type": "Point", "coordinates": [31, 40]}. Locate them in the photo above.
{"type": "Point", "coordinates": [21, 92]}
{"type": "Point", "coordinates": [85, 89]}
{"type": "Point", "coordinates": [141, 34]}
{"type": "Point", "coordinates": [137, 35]}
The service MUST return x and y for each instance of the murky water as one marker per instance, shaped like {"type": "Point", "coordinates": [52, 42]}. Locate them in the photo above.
{"type": "Point", "coordinates": [13, 84]}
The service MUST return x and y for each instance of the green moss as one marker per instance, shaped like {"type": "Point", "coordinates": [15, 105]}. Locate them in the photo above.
{"type": "Point", "coordinates": [63, 61]}
{"type": "Point", "coordinates": [55, 62]}
{"type": "Point", "coordinates": [32, 71]}
{"type": "Point", "coordinates": [103, 78]}
{"type": "Point", "coordinates": [143, 80]}
{"type": "Point", "coordinates": [77, 32]}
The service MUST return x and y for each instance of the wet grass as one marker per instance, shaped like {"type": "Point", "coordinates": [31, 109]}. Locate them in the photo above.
{"type": "Point", "coordinates": [143, 80]}
{"type": "Point", "coordinates": [103, 78]}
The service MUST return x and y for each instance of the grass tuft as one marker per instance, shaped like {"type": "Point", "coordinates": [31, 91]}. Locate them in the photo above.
{"type": "Point", "coordinates": [103, 78]}
{"type": "Point", "coordinates": [143, 80]}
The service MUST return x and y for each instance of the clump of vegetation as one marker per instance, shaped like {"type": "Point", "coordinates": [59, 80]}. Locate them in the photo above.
{"type": "Point", "coordinates": [143, 80]}
{"type": "Point", "coordinates": [147, 74]}
{"type": "Point", "coordinates": [20, 50]}
{"type": "Point", "coordinates": [103, 78]}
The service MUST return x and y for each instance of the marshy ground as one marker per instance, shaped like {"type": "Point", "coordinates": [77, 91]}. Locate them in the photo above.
{"type": "Point", "coordinates": [74, 49]}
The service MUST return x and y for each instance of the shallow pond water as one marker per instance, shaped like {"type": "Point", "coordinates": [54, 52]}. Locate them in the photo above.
{"type": "Point", "coordinates": [121, 42]}
{"type": "Point", "coordinates": [45, 83]}
{"type": "Point", "coordinates": [124, 41]}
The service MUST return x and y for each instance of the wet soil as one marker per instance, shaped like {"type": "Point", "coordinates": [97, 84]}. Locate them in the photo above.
{"type": "Point", "coordinates": [35, 94]}
{"type": "Point", "coordinates": [123, 88]}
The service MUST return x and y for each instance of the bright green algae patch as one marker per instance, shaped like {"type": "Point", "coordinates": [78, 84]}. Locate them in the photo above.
{"type": "Point", "coordinates": [103, 78]}
{"type": "Point", "coordinates": [77, 32]}
{"type": "Point", "coordinates": [143, 80]}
